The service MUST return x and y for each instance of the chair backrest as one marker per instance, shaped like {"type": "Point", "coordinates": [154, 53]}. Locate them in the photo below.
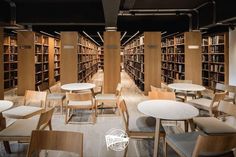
{"type": "Point", "coordinates": [118, 89]}
{"type": "Point", "coordinates": [214, 144]}
{"type": "Point", "coordinates": [124, 113]}
{"type": "Point", "coordinates": [45, 119]}
{"type": "Point", "coordinates": [35, 98]}
{"type": "Point", "coordinates": [80, 96]}
{"type": "Point", "coordinates": [227, 108]}
{"type": "Point", "coordinates": [161, 95]}
{"type": "Point", "coordinates": [219, 87]}
{"type": "Point", "coordinates": [55, 140]}
{"type": "Point", "coordinates": [216, 100]}
{"type": "Point", "coordinates": [153, 88]}
{"type": "Point", "coordinates": [43, 86]}
{"type": "Point", "coordinates": [231, 90]}
{"type": "Point", "coordinates": [183, 81]}
{"type": "Point", "coordinates": [164, 86]}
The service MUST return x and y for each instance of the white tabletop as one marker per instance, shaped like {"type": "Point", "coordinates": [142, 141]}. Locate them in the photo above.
{"type": "Point", "coordinates": [168, 109]}
{"type": "Point", "coordinates": [186, 87]}
{"type": "Point", "coordinates": [77, 86]}
{"type": "Point", "coordinates": [5, 104]}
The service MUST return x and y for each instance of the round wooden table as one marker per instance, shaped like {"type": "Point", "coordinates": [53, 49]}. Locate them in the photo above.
{"type": "Point", "coordinates": [166, 110]}
{"type": "Point", "coordinates": [78, 86]}
{"type": "Point", "coordinates": [186, 87]}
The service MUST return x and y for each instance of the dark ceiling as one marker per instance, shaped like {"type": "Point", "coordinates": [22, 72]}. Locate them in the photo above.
{"type": "Point", "coordinates": [92, 16]}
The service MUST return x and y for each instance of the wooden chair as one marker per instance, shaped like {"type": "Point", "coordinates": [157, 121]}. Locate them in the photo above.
{"type": "Point", "coordinates": [161, 95]}
{"type": "Point", "coordinates": [55, 140]}
{"type": "Point", "coordinates": [59, 97]}
{"type": "Point", "coordinates": [21, 129]}
{"type": "Point", "coordinates": [153, 88]}
{"type": "Point", "coordinates": [208, 104]}
{"type": "Point", "coordinates": [219, 87]}
{"type": "Point", "coordinates": [140, 132]}
{"type": "Point", "coordinates": [34, 103]}
{"type": "Point", "coordinates": [81, 101]}
{"type": "Point", "coordinates": [212, 125]}
{"type": "Point", "coordinates": [108, 98]}
{"type": "Point", "coordinates": [164, 86]}
{"type": "Point", "coordinates": [195, 144]}
{"type": "Point", "coordinates": [183, 94]}
{"type": "Point", "coordinates": [231, 95]}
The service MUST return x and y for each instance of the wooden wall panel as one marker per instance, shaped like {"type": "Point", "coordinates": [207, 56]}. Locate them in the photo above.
{"type": "Point", "coordinates": [51, 61]}
{"type": "Point", "coordinates": [111, 61]}
{"type": "Point", "coordinates": [152, 60]}
{"type": "Point", "coordinates": [1, 65]}
{"type": "Point", "coordinates": [226, 50]}
{"type": "Point", "coordinates": [69, 66]}
{"type": "Point", "coordinates": [26, 60]}
{"type": "Point", "coordinates": [193, 60]}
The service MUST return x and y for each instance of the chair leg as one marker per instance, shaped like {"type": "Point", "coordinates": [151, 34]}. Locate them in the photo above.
{"type": "Point", "coordinates": [125, 151]}
{"type": "Point", "coordinates": [66, 115]}
{"type": "Point", "coordinates": [50, 125]}
{"type": "Point", "coordinates": [61, 106]}
{"type": "Point", "coordinates": [165, 148]}
{"type": "Point", "coordinates": [7, 146]}
{"type": "Point", "coordinates": [186, 126]}
{"type": "Point", "coordinates": [96, 105]}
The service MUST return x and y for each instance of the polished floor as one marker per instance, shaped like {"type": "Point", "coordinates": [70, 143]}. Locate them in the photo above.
{"type": "Point", "coordinates": [94, 134]}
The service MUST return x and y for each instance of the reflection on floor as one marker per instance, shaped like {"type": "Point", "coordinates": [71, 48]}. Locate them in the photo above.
{"type": "Point", "coordinates": [94, 135]}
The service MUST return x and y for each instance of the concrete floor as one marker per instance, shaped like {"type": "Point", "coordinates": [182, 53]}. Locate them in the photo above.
{"type": "Point", "coordinates": [94, 134]}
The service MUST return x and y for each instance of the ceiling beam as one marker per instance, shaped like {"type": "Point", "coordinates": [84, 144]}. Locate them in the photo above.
{"type": "Point", "coordinates": [111, 13]}
{"type": "Point", "coordinates": [129, 4]}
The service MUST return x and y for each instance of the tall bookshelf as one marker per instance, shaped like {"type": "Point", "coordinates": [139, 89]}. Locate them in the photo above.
{"type": "Point", "coordinates": [1, 64]}
{"type": "Point", "coordinates": [142, 60]}
{"type": "Point", "coordinates": [215, 59]}
{"type": "Point", "coordinates": [81, 53]}
{"type": "Point", "coordinates": [101, 58]}
{"type": "Point", "coordinates": [33, 53]}
{"type": "Point", "coordinates": [57, 53]}
{"type": "Point", "coordinates": [181, 57]}
{"type": "Point", "coordinates": [10, 56]}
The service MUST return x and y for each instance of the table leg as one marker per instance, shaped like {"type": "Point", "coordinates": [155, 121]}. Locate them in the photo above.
{"type": "Point", "coordinates": [157, 136]}
{"type": "Point", "coordinates": [192, 125]}
{"type": "Point", "coordinates": [3, 126]}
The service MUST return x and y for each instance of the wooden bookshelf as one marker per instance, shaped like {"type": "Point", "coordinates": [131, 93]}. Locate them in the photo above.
{"type": "Point", "coordinates": [1, 64]}
{"type": "Point", "coordinates": [181, 57]}
{"type": "Point", "coordinates": [82, 54]}
{"type": "Point", "coordinates": [57, 58]}
{"type": "Point", "coordinates": [142, 59]}
{"type": "Point", "coordinates": [215, 59]}
{"type": "Point", "coordinates": [33, 51]}
{"type": "Point", "coordinates": [101, 58]}
{"type": "Point", "coordinates": [10, 56]}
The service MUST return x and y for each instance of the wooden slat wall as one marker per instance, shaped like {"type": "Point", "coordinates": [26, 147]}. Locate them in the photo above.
{"type": "Point", "coordinates": [69, 66]}
{"type": "Point", "coordinates": [26, 61]}
{"type": "Point", "coordinates": [193, 61]}
{"type": "Point", "coordinates": [111, 61]}
{"type": "Point", "coordinates": [152, 60]}
{"type": "Point", "coordinates": [51, 61]}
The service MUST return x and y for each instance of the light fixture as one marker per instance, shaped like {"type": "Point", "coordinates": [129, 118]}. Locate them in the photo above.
{"type": "Point", "coordinates": [57, 33]}
{"type": "Point", "coordinates": [131, 38]}
{"type": "Point", "coordinates": [193, 47]}
{"type": "Point", "coordinates": [91, 38]}
{"type": "Point", "coordinates": [123, 36]}
{"type": "Point", "coordinates": [100, 37]}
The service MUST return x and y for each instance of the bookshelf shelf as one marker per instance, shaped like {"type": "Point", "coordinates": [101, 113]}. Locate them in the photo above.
{"type": "Point", "coordinates": [214, 59]}
{"type": "Point", "coordinates": [10, 60]}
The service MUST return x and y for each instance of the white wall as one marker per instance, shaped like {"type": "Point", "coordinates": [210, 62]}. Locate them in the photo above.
{"type": "Point", "coordinates": [232, 57]}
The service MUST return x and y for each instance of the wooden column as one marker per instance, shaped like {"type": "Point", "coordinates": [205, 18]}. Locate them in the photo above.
{"type": "Point", "coordinates": [152, 60]}
{"type": "Point", "coordinates": [111, 61]}
{"type": "Point", "coordinates": [1, 64]}
{"type": "Point", "coordinates": [193, 61]}
{"type": "Point", "coordinates": [26, 60]}
{"type": "Point", "coordinates": [69, 58]}
{"type": "Point", "coordinates": [51, 61]}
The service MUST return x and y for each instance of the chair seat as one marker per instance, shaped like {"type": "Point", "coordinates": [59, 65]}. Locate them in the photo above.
{"type": "Point", "coordinates": [22, 112]}
{"type": "Point", "coordinates": [79, 103]}
{"type": "Point", "coordinates": [108, 97]}
{"type": "Point", "coordinates": [185, 142]}
{"type": "Point", "coordinates": [145, 124]}
{"type": "Point", "coordinates": [202, 103]}
{"type": "Point", "coordinates": [20, 128]}
{"type": "Point", "coordinates": [56, 96]}
{"type": "Point", "coordinates": [212, 125]}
